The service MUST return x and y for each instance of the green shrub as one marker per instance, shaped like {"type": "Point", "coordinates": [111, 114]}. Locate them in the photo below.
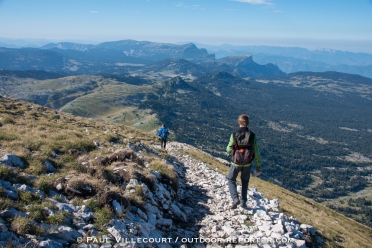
{"type": "Point", "coordinates": [102, 216]}
{"type": "Point", "coordinates": [6, 173]}
{"type": "Point", "coordinates": [22, 179]}
{"type": "Point", "coordinates": [77, 201]}
{"type": "Point", "coordinates": [57, 219]}
{"type": "Point", "coordinates": [37, 213]}
{"type": "Point", "coordinates": [93, 204]}
{"type": "Point", "coordinates": [27, 197]}
{"type": "Point", "coordinates": [66, 158]}
{"type": "Point", "coordinates": [49, 205]}
{"type": "Point", "coordinates": [5, 203]}
{"type": "Point", "coordinates": [45, 184]}
{"type": "Point", "coordinates": [167, 172]}
{"type": "Point", "coordinates": [136, 198]}
{"type": "Point", "coordinates": [22, 226]}
{"type": "Point", "coordinates": [36, 166]}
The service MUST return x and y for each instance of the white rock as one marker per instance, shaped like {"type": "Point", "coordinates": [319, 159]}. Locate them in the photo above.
{"type": "Point", "coordinates": [309, 228]}
{"type": "Point", "coordinates": [218, 217]}
{"type": "Point", "coordinates": [117, 207]}
{"type": "Point", "coordinates": [278, 228]}
{"type": "Point", "coordinates": [133, 182]}
{"type": "Point", "coordinates": [59, 186]}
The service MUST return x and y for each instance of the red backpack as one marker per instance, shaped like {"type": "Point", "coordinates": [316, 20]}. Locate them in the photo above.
{"type": "Point", "coordinates": [243, 147]}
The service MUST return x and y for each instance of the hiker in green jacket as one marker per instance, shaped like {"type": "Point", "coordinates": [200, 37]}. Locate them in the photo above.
{"type": "Point", "coordinates": [243, 145]}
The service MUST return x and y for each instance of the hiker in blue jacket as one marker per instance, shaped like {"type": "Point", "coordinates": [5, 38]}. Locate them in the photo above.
{"type": "Point", "coordinates": [163, 134]}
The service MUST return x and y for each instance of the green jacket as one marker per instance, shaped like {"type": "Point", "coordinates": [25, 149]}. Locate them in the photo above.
{"type": "Point", "coordinates": [257, 156]}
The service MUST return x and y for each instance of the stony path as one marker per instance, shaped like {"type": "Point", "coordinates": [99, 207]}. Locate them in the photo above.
{"type": "Point", "coordinates": [260, 225]}
{"type": "Point", "coordinates": [198, 215]}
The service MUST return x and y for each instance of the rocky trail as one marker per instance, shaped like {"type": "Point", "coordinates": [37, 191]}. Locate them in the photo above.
{"type": "Point", "coordinates": [197, 214]}
{"type": "Point", "coordinates": [259, 225]}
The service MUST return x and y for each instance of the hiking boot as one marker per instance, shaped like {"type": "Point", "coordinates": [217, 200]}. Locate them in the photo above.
{"type": "Point", "coordinates": [235, 203]}
{"type": "Point", "coordinates": [243, 204]}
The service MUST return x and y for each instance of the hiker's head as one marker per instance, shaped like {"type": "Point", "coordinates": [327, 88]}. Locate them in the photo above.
{"type": "Point", "coordinates": [243, 120]}
{"type": "Point", "coordinates": [163, 125]}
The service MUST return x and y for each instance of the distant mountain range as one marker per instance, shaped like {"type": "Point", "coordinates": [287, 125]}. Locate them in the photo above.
{"type": "Point", "coordinates": [132, 57]}
{"type": "Point", "coordinates": [294, 59]}
{"type": "Point", "coordinates": [122, 56]}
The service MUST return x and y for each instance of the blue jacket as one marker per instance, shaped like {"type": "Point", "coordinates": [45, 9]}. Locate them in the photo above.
{"type": "Point", "coordinates": [163, 133]}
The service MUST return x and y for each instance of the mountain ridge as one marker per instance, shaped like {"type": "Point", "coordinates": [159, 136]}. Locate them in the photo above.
{"type": "Point", "coordinates": [127, 56]}
{"type": "Point", "coordinates": [293, 59]}
{"type": "Point", "coordinates": [288, 59]}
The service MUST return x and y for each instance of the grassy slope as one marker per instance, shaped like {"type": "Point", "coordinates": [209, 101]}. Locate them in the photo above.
{"type": "Point", "coordinates": [106, 104]}
{"type": "Point", "coordinates": [37, 134]}
{"type": "Point", "coordinates": [33, 132]}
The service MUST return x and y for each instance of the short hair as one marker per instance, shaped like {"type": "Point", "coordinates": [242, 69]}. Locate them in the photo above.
{"type": "Point", "coordinates": [163, 124]}
{"type": "Point", "coordinates": [243, 120]}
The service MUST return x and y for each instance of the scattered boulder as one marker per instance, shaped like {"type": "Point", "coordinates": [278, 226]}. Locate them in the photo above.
{"type": "Point", "coordinates": [12, 160]}
{"type": "Point", "coordinates": [12, 213]}
{"type": "Point", "coordinates": [49, 166]}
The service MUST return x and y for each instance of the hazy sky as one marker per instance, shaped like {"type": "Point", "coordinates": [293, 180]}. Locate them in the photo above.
{"type": "Point", "coordinates": [337, 24]}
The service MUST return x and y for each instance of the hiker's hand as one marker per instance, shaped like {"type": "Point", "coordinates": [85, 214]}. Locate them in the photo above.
{"type": "Point", "coordinates": [257, 172]}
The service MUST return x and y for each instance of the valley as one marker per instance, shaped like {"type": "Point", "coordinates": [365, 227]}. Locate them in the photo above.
{"type": "Point", "coordinates": [313, 128]}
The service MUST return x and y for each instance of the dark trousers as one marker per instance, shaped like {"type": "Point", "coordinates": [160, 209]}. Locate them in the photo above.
{"type": "Point", "coordinates": [245, 173]}
{"type": "Point", "coordinates": [163, 143]}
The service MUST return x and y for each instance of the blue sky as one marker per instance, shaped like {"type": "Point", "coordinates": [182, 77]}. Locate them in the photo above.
{"type": "Point", "coordinates": [336, 24]}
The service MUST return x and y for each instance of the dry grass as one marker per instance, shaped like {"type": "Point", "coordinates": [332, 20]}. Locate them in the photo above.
{"type": "Point", "coordinates": [169, 176]}
{"type": "Point", "coordinates": [80, 181]}
{"type": "Point", "coordinates": [37, 212]}
{"type": "Point", "coordinates": [102, 216]}
{"type": "Point", "coordinates": [6, 173]}
{"type": "Point", "coordinates": [37, 134]}
{"type": "Point", "coordinates": [27, 197]}
{"type": "Point", "coordinates": [106, 199]}
{"type": "Point", "coordinates": [136, 196]}
{"type": "Point", "coordinates": [129, 171]}
{"type": "Point", "coordinates": [5, 203]}
{"type": "Point", "coordinates": [23, 226]}
{"type": "Point", "coordinates": [58, 218]}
